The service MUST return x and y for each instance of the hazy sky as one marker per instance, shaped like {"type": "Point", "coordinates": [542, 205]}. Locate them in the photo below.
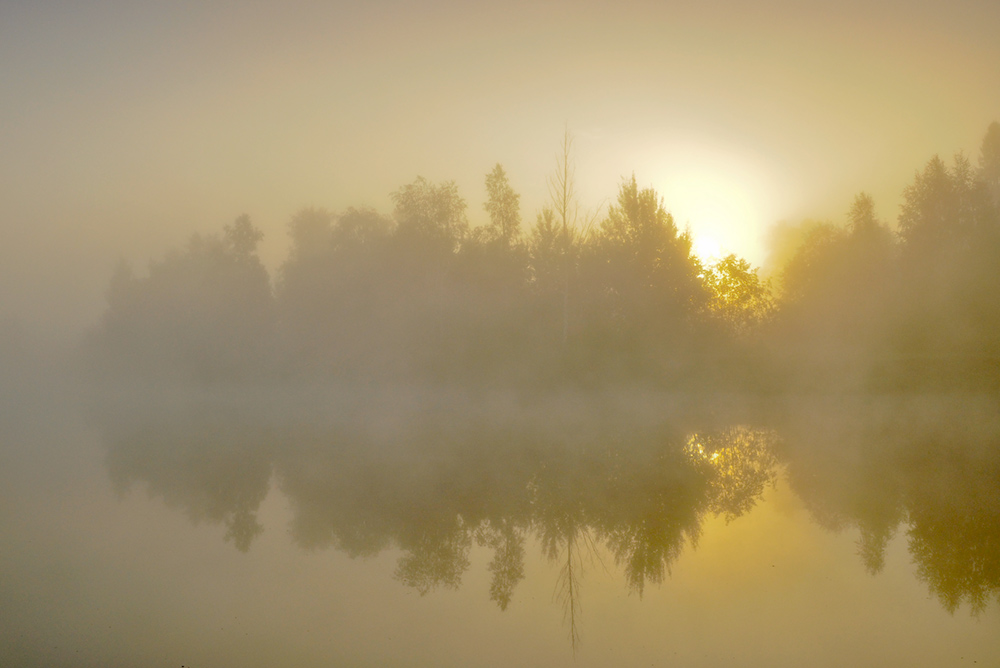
{"type": "Point", "coordinates": [126, 126]}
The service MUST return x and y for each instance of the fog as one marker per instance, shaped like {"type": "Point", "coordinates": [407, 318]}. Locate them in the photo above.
{"type": "Point", "coordinates": [126, 127]}
{"type": "Point", "coordinates": [393, 525]}
{"type": "Point", "coordinates": [460, 334]}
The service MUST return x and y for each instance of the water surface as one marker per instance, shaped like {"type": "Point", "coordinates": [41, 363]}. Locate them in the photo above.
{"type": "Point", "coordinates": [421, 527]}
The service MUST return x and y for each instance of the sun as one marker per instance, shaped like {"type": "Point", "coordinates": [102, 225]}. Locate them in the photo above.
{"type": "Point", "coordinates": [706, 248]}
{"type": "Point", "coordinates": [722, 197]}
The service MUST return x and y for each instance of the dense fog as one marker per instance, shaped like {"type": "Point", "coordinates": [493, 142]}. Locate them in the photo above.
{"type": "Point", "coordinates": [458, 334]}
{"type": "Point", "coordinates": [418, 295]}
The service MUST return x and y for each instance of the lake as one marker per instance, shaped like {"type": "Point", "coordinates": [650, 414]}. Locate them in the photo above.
{"type": "Point", "coordinates": [324, 526]}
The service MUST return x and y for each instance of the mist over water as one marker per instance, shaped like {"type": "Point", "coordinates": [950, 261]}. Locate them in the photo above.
{"type": "Point", "coordinates": [702, 369]}
{"type": "Point", "coordinates": [557, 419]}
{"type": "Point", "coordinates": [240, 526]}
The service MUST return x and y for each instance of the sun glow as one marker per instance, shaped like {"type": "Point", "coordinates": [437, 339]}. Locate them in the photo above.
{"type": "Point", "coordinates": [706, 248]}
{"type": "Point", "coordinates": [723, 198]}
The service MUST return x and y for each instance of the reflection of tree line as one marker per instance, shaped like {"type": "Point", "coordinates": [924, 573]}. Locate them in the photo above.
{"type": "Point", "coordinates": [437, 491]}
{"type": "Point", "coordinates": [614, 297]}
{"type": "Point", "coordinates": [930, 465]}
{"type": "Point", "coordinates": [641, 494]}
{"type": "Point", "coordinates": [216, 467]}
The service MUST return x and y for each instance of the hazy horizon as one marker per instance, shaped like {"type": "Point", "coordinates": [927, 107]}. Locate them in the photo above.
{"type": "Point", "coordinates": [126, 127]}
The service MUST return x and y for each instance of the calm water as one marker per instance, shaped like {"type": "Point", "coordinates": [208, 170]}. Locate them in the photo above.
{"type": "Point", "coordinates": [312, 527]}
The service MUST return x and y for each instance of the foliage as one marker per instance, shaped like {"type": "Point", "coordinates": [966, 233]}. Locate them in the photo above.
{"type": "Point", "coordinates": [204, 312]}
{"type": "Point", "coordinates": [642, 280]}
{"type": "Point", "coordinates": [989, 162]}
{"type": "Point", "coordinates": [419, 295]}
{"type": "Point", "coordinates": [738, 296]}
{"type": "Point", "coordinates": [428, 212]}
{"type": "Point", "coordinates": [503, 205]}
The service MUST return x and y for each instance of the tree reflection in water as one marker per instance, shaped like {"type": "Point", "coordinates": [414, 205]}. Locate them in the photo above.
{"type": "Point", "coordinates": [639, 491]}
{"type": "Point", "coordinates": [931, 465]}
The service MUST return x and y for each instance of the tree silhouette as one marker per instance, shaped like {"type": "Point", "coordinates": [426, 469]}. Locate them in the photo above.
{"type": "Point", "coordinates": [241, 238]}
{"type": "Point", "coordinates": [566, 208]}
{"type": "Point", "coordinates": [203, 312]}
{"type": "Point", "coordinates": [989, 162]}
{"type": "Point", "coordinates": [419, 295]}
{"type": "Point", "coordinates": [503, 206]}
{"type": "Point", "coordinates": [507, 565]}
{"type": "Point", "coordinates": [431, 212]}
{"type": "Point", "coordinates": [311, 232]}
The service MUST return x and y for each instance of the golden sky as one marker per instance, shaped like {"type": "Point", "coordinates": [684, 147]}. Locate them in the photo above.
{"type": "Point", "coordinates": [126, 126]}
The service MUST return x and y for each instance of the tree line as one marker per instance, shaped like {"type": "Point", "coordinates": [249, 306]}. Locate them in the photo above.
{"type": "Point", "coordinates": [422, 295]}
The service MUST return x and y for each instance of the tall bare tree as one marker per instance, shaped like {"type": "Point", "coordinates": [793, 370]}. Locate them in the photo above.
{"type": "Point", "coordinates": [565, 206]}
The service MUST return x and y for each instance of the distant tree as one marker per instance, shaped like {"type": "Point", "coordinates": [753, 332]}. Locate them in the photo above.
{"type": "Point", "coordinates": [861, 218]}
{"type": "Point", "coordinates": [812, 263]}
{"type": "Point", "coordinates": [784, 240]}
{"type": "Point", "coordinates": [503, 206]}
{"type": "Point", "coordinates": [950, 228]}
{"type": "Point", "coordinates": [941, 225]}
{"type": "Point", "coordinates": [548, 247]}
{"type": "Point", "coordinates": [565, 207]}
{"type": "Point", "coordinates": [737, 296]}
{"type": "Point", "coordinates": [241, 238]}
{"type": "Point", "coordinates": [940, 209]}
{"type": "Point", "coordinates": [204, 311]}
{"type": "Point", "coordinates": [989, 162]}
{"type": "Point", "coordinates": [871, 244]}
{"type": "Point", "coordinates": [643, 258]}
{"type": "Point", "coordinates": [640, 289]}
{"type": "Point", "coordinates": [837, 299]}
{"type": "Point", "coordinates": [363, 227]}
{"type": "Point", "coordinates": [562, 185]}
{"type": "Point", "coordinates": [311, 232]}
{"type": "Point", "coordinates": [431, 212]}
{"type": "Point", "coordinates": [336, 277]}
{"type": "Point", "coordinates": [641, 228]}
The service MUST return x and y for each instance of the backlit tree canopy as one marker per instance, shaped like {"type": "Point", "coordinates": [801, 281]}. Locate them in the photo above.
{"type": "Point", "coordinates": [621, 298]}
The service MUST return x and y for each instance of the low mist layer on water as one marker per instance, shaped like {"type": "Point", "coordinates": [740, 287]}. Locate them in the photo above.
{"type": "Point", "coordinates": [418, 527]}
